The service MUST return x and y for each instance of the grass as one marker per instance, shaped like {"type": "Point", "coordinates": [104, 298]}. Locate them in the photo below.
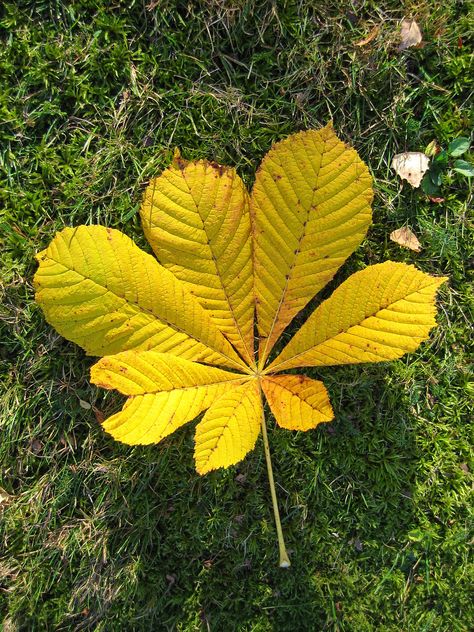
{"type": "Point", "coordinates": [375, 507]}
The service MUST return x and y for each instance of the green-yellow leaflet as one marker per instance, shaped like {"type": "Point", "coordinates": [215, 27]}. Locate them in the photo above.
{"type": "Point", "coordinates": [222, 256]}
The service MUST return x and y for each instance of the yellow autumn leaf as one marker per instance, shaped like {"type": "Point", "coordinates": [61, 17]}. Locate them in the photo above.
{"type": "Point", "coordinates": [296, 401]}
{"type": "Point", "coordinates": [310, 208]}
{"type": "Point", "coordinates": [166, 392]}
{"type": "Point", "coordinates": [139, 372]}
{"type": "Point", "coordinates": [161, 325]}
{"type": "Point", "coordinates": [378, 314]}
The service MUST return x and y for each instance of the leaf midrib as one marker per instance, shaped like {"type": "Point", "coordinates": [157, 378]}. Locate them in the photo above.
{"type": "Point", "coordinates": [216, 267]}
{"type": "Point", "coordinates": [266, 351]}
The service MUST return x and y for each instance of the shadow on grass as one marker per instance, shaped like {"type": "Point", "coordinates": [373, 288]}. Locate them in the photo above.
{"type": "Point", "coordinates": [184, 552]}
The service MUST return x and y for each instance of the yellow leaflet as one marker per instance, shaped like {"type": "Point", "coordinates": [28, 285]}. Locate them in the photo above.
{"type": "Point", "coordinates": [98, 289]}
{"type": "Point", "coordinates": [167, 392]}
{"type": "Point", "coordinates": [310, 209]}
{"type": "Point", "coordinates": [296, 401]}
{"type": "Point", "coordinates": [196, 217]}
{"type": "Point", "coordinates": [229, 429]}
{"type": "Point", "coordinates": [378, 314]}
{"type": "Point", "coordinates": [140, 372]}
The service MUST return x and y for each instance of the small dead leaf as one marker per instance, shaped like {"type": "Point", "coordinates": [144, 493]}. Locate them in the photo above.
{"type": "Point", "coordinates": [5, 497]}
{"type": "Point", "coordinates": [371, 36]}
{"type": "Point", "coordinates": [465, 468]}
{"type": "Point", "coordinates": [410, 34]}
{"type": "Point", "coordinates": [411, 166]}
{"type": "Point", "coordinates": [436, 200]}
{"type": "Point", "coordinates": [406, 238]}
{"type": "Point", "coordinates": [9, 625]}
{"type": "Point", "coordinates": [84, 404]}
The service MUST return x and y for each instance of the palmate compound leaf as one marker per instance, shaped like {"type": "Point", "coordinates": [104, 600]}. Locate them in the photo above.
{"type": "Point", "coordinates": [310, 208]}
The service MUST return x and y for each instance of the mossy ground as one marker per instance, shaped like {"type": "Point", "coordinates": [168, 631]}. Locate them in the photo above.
{"type": "Point", "coordinates": [97, 536]}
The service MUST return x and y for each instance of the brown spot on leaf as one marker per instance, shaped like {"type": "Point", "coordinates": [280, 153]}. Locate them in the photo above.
{"type": "Point", "coordinates": [219, 168]}
{"type": "Point", "coordinates": [180, 163]}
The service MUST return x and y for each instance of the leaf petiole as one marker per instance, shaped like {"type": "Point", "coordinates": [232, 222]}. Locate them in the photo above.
{"type": "Point", "coordinates": [284, 559]}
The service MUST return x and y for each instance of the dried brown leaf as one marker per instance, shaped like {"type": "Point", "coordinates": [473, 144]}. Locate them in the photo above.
{"type": "Point", "coordinates": [406, 238]}
{"type": "Point", "coordinates": [410, 35]}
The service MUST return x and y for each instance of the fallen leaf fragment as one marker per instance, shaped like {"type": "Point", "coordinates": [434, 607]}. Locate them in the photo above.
{"type": "Point", "coordinates": [411, 166]}
{"type": "Point", "coordinates": [410, 35]}
{"type": "Point", "coordinates": [371, 36]}
{"type": "Point", "coordinates": [406, 238]}
{"type": "Point", "coordinates": [5, 498]}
